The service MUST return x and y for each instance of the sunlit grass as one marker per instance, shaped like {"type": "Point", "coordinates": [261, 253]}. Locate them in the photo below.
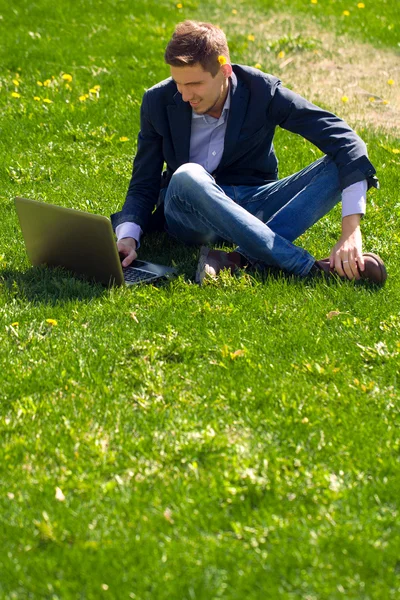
{"type": "Point", "coordinates": [235, 441]}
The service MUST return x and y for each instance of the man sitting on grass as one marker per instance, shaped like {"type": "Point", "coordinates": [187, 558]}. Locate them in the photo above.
{"type": "Point", "coordinates": [212, 124]}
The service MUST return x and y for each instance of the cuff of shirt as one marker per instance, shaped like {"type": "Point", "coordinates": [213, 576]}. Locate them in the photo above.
{"type": "Point", "coordinates": [131, 230]}
{"type": "Point", "coordinates": [354, 199]}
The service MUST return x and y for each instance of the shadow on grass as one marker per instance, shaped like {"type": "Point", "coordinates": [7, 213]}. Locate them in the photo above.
{"type": "Point", "coordinates": [43, 285]}
{"type": "Point", "coordinates": [265, 275]}
{"type": "Point", "coordinates": [49, 286]}
{"type": "Point", "coordinates": [163, 249]}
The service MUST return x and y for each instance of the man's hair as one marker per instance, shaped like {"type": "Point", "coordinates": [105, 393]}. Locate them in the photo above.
{"type": "Point", "coordinates": [196, 42]}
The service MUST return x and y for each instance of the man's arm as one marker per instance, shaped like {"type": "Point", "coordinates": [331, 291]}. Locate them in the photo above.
{"type": "Point", "coordinates": [144, 186]}
{"type": "Point", "coordinates": [335, 138]}
{"type": "Point", "coordinates": [329, 133]}
{"type": "Point", "coordinates": [346, 255]}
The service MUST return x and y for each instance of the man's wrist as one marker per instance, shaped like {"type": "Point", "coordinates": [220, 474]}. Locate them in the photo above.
{"type": "Point", "coordinates": [128, 238]}
{"type": "Point", "coordinates": [350, 223]}
{"type": "Point", "coordinates": [129, 230]}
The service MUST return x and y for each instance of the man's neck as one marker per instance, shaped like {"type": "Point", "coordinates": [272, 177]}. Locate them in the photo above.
{"type": "Point", "coordinates": [216, 111]}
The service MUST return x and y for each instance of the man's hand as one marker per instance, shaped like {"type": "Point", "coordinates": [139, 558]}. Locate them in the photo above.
{"type": "Point", "coordinates": [346, 255]}
{"type": "Point", "coordinates": [127, 250]}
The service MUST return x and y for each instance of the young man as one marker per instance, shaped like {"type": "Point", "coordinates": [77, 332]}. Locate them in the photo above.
{"type": "Point", "coordinates": [213, 123]}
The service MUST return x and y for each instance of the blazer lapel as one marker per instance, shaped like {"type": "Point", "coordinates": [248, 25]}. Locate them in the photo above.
{"type": "Point", "coordinates": [180, 120]}
{"type": "Point", "coordinates": [237, 113]}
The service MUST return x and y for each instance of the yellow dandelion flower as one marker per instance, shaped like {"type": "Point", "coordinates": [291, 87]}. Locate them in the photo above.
{"type": "Point", "coordinates": [83, 97]}
{"type": "Point", "coordinates": [36, 98]}
{"type": "Point", "coordinates": [361, 5]}
{"type": "Point", "coordinates": [234, 11]}
{"type": "Point", "coordinates": [39, 83]}
{"type": "Point", "coordinates": [47, 82]}
{"type": "Point", "coordinates": [251, 37]}
{"type": "Point", "coordinates": [257, 66]}
{"type": "Point", "coordinates": [346, 13]}
{"type": "Point", "coordinates": [123, 139]}
{"type": "Point", "coordinates": [96, 87]}
{"type": "Point", "coordinates": [385, 101]}
{"type": "Point", "coordinates": [391, 81]}
{"type": "Point", "coordinates": [51, 322]}
{"type": "Point", "coordinates": [47, 100]}
{"type": "Point", "coordinates": [93, 91]}
{"type": "Point", "coordinates": [314, 1]}
{"type": "Point", "coordinates": [67, 77]}
{"type": "Point", "coordinates": [15, 82]}
{"type": "Point", "coordinates": [371, 99]}
{"type": "Point", "coordinates": [281, 54]}
{"type": "Point", "coordinates": [222, 60]}
{"type": "Point", "coordinates": [15, 324]}
{"type": "Point", "coordinates": [395, 151]}
{"type": "Point", "coordinates": [16, 95]}
{"type": "Point", "coordinates": [345, 99]}
{"type": "Point", "coordinates": [179, 5]}
{"type": "Point", "coordinates": [68, 87]}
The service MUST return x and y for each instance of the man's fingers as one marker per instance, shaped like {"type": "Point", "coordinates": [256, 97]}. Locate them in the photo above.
{"type": "Point", "coordinates": [354, 264]}
{"type": "Point", "coordinates": [347, 258]}
{"type": "Point", "coordinates": [339, 266]}
{"type": "Point", "coordinates": [129, 259]}
{"type": "Point", "coordinates": [360, 261]}
{"type": "Point", "coordinates": [354, 274]}
{"type": "Point", "coordinates": [127, 252]}
{"type": "Point", "coordinates": [349, 263]}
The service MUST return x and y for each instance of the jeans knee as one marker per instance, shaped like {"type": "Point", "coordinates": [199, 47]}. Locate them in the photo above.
{"type": "Point", "coordinates": [188, 174]}
{"type": "Point", "coordinates": [186, 185]}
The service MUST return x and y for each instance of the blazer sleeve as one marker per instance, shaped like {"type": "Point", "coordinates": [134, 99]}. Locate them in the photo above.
{"type": "Point", "coordinates": [144, 186]}
{"type": "Point", "coordinates": [329, 133]}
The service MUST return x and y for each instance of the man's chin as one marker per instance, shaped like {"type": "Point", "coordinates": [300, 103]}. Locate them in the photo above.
{"type": "Point", "coordinates": [201, 111]}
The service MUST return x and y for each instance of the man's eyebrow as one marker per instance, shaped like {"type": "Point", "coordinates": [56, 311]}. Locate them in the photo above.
{"type": "Point", "coordinates": [188, 82]}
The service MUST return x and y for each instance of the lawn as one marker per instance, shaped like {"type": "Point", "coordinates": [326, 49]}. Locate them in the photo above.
{"type": "Point", "coordinates": [239, 440]}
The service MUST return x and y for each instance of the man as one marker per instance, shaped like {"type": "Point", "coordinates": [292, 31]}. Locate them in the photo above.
{"type": "Point", "coordinates": [213, 123]}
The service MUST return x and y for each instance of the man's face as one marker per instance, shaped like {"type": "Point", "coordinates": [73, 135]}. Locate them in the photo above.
{"type": "Point", "coordinates": [204, 92]}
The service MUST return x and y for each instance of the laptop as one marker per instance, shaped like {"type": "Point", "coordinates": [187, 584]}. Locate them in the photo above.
{"type": "Point", "coordinates": [80, 242]}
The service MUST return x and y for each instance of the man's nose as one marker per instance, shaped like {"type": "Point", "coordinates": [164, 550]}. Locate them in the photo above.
{"type": "Point", "coordinates": [187, 95]}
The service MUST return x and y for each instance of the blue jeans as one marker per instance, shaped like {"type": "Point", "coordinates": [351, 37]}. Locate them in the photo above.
{"type": "Point", "coordinates": [262, 220]}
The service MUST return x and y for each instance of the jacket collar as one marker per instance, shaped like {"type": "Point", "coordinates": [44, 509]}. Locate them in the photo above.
{"type": "Point", "coordinates": [180, 119]}
{"type": "Point", "coordinates": [237, 113]}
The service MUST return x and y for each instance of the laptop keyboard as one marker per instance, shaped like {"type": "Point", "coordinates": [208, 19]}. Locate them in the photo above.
{"type": "Point", "coordinates": [133, 275]}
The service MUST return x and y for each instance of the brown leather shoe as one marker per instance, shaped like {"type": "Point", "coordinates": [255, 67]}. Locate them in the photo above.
{"type": "Point", "coordinates": [211, 262]}
{"type": "Point", "coordinates": [374, 268]}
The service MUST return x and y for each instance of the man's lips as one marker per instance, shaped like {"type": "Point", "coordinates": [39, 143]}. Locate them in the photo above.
{"type": "Point", "coordinates": [194, 103]}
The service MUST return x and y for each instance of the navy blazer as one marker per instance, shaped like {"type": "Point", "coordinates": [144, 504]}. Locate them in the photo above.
{"type": "Point", "coordinates": [259, 102]}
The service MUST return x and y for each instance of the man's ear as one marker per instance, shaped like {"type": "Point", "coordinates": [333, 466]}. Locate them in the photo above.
{"type": "Point", "coordinates": [226, 70]}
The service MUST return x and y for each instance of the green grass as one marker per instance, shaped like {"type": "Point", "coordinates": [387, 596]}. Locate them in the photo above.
{"type": "Point", "coordinates": [376, 22]}
{"type": "Point", "coordinates": [234, 441]}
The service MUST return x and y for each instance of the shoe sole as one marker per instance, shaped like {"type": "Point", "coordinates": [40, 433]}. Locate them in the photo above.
{"type": "Point", "coordinates": [200, 272]}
